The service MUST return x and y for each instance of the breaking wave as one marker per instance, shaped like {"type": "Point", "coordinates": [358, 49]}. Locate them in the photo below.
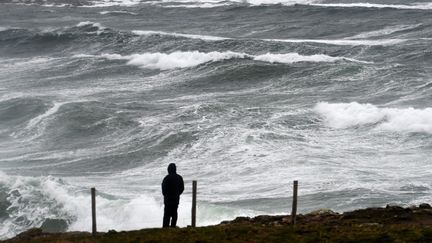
{"type": "Point", "coordinates": [30, 201]}
{"type": "Point", "coordinates": [346, 115]}
{"type": "Point", "coordinates": [173, 60]}
{"type": "Point", "coordinates": [166, 61]}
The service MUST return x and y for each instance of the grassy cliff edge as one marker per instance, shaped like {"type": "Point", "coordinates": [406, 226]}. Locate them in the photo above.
{"type": "Point", "coordinates": [389, 224]}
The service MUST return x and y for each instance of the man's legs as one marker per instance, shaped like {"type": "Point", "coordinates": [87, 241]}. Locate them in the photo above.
{"type": "Point", "coordinates": [166, 217]}
{"type": "Point", "coordinates": [174, 215]}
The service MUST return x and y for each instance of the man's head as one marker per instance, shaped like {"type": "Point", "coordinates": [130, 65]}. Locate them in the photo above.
{"type": "Point", "coordinates": [172, 168]}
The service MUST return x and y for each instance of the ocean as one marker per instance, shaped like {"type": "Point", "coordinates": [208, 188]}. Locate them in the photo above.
{"type": "Point", "coordinates": [245, 96]}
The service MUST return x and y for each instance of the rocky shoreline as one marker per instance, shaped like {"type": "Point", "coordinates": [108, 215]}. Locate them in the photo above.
{"type": "Point", "coordinates": [417, 215]}
{"type": "Point", "coordinates": [387, 224]}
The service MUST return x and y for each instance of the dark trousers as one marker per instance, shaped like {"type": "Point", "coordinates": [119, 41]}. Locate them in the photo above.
{"type": "Point", "coordinates": [170, 212]}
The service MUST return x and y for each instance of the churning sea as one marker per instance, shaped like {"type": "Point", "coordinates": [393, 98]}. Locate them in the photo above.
{"type": "Point", "coordinates": [245, 96]}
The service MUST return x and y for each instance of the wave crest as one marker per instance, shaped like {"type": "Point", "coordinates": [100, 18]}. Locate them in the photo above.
{"type": "Point", "coordinates": [166, 61]}
{"type": "Point", "coordinates": [173, 60]}
{"type": "Point", "coordinates": [346, 115]}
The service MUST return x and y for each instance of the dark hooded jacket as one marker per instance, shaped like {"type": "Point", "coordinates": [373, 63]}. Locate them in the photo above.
{"type": "Point", "coordinates": [172, 186]}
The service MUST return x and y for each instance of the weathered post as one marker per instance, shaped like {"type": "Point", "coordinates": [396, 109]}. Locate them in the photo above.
{"type": "Point", "coordinates": [294, 203]}
{"type": "Point", "coordinates": [93, 202]}
{"type": "Point", "coordinates": [194, 196]}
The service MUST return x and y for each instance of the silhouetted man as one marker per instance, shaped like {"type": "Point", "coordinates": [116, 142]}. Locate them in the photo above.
{"type": "Point", "coordinates": [172, 187]}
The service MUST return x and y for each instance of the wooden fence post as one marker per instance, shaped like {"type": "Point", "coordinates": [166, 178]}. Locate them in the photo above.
{"type": "Point", "coordinates": [93, 202]}
{"type": "Point", "coordinates": [194, 196]}
{"type": "Point", "coordinates": [294, 203]}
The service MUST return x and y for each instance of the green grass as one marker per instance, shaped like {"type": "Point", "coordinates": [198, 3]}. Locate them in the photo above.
{"type": "Point", "coordinates": [255, 233]}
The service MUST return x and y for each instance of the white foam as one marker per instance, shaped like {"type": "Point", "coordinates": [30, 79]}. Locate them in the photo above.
{"type": "Point", "coordinates": [346, 115]}
{"type": "Point", "coordinates": [343, 42]}
{"type": "Point", "coordinates": [295, 57]}
{"type": "Point", "coordinates": [164, 61]}
{"type": "Point", "coordinates": [32, 200]}
{"type": "Point", "coordinates": [121, 214]}
{"type": "Point", "coordinates": [174, 60]}
{"type": "Point", "coordinates": [191, 36]}
{"type": "Point", "coordinates": [416, 6]}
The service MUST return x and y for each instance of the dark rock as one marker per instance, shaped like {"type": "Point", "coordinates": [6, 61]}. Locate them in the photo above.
{"type": "Point", "coordinates": [54, 226]}
{"type": "Point", "coordinates": [266, 219]}
{"type": "Point", "coordinates": [322, 211]}
{"type": "Point", "coordinates": [237, 220]}
{"type": "Point", "coordinates": [425, 206]}
{"type": "Point", "coordinates": [394, 207]}
{"type": "Point", "coordinates": [29, 234]}
{"type": "Point", "coordinates": [391, 214]}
